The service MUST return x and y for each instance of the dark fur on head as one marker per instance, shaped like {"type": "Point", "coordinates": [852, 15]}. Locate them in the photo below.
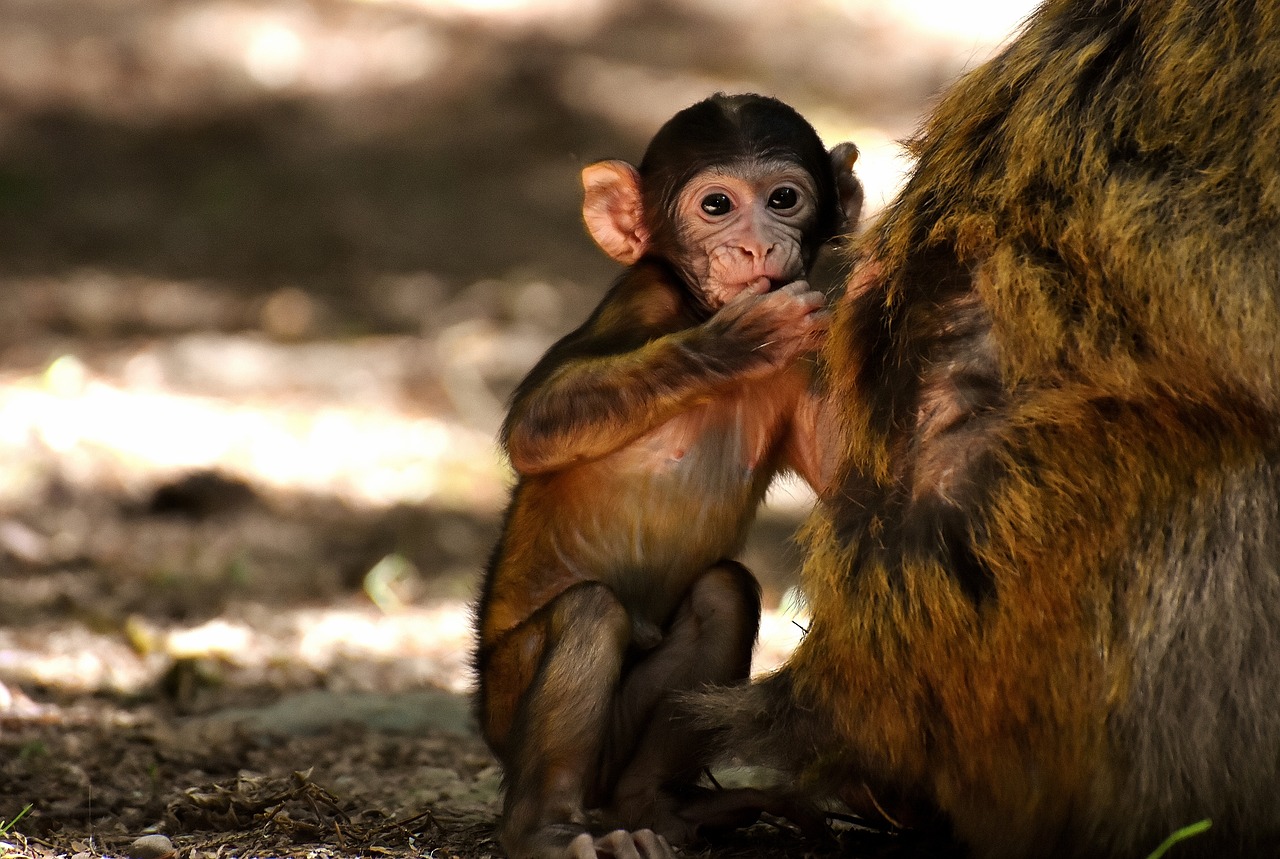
{"type": "Point", "coordinates": [725, 129]}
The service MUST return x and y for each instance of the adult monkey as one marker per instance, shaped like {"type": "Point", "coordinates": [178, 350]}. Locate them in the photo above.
{"type": "Point", "coordinates": [1046, 586]}
{"type": "Point", "coordinates": [645, 441]}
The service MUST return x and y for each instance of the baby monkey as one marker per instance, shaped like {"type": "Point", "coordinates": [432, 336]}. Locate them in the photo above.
{"type": "Point", "coordinates": [644, 442]}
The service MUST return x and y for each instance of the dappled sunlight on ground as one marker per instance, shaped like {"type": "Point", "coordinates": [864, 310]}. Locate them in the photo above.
{"type": "Point", "coordinates": [352, 648]}
{"type": "Point", "coordinates": [99, 433]}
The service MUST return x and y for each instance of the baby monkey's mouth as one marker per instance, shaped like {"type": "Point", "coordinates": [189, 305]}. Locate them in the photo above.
{"type": "Point", "coordinates": [778, 279]}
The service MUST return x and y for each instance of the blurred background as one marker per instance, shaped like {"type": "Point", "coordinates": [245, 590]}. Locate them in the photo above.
{"type": "Point", "coordinates": [268, 271]}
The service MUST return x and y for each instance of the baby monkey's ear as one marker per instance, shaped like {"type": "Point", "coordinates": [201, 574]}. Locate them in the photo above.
{"type": "Point", "coordinates": [612, 209]}
{"type": "Point", "coordinates": [849, 189]}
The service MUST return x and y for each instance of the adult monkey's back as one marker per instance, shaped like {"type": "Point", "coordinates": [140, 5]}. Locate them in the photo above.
{"type": "Point", "coordinates": [1046, 597]}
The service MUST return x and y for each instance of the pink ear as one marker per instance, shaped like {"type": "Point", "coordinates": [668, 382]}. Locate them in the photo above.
{"type": "Point", "coordinates": [612, 209]}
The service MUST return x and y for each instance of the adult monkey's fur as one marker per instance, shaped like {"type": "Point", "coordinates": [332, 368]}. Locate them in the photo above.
{"type": "Point", "coordinates": [1046, 598]}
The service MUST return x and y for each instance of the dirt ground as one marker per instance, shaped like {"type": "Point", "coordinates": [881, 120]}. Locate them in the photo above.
{"type": "Point", "coordinates": [268, 269]}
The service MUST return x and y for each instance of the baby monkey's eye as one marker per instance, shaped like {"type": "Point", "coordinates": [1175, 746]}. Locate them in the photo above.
{"type": "Point", "coordinates": [783, 198]}
{"type": "Point", "coordinates": [717, 204]}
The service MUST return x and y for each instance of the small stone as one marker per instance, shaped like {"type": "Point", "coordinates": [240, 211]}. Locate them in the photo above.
{"type": "Point", "coordinates": [151, 847]}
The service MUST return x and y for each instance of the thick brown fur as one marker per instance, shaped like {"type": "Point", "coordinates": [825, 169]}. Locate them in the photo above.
{"type": "Point", "coordinates": [1046, 590]}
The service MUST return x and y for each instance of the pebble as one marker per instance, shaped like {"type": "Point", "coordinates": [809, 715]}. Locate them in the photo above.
{"type": "Point", "coordinates": [151, 847]}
